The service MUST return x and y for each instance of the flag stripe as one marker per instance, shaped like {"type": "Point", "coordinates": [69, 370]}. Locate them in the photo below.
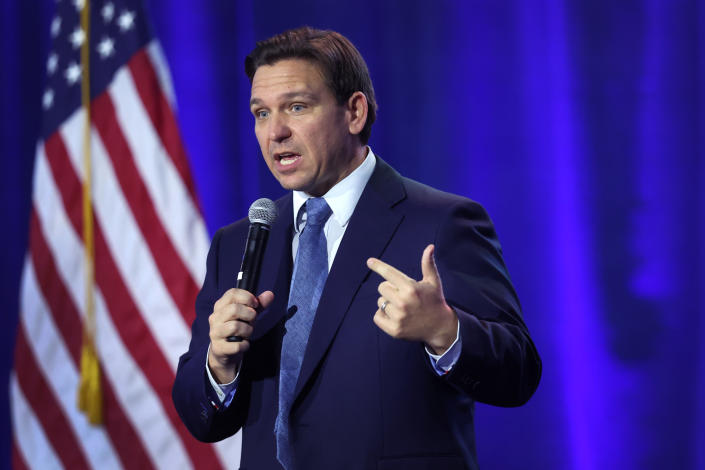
{"type": "Point", "coordinates": [54, 361]}
{"type": "Point", "coordinates": [46, 407]}
{"type": "Point", "coordinates": [136, 396]}
{"type": "Point", "coordinates": [178, 214]}
{"type": "Point", "coordinates": [126, 245]}
{"type": "Point", "coordinates": [150, 248]}
{"type": "Point", "coordinates": [36, 452]}
{"type": "Point", "coordinates": [18, 462]}
{"type": "Point", "coordinates": [121, 432]}
{"type": "Point", "coordinates": [127, 443]}
{"type": "Point", "coordinates": [159, 111]}
{"type": "Point", "coordinates": [54, 291]}
{"type": "Point", "coordinates": [156, 55]}
{"type": "Point", "coordinates": [131, 325]}
{"type": "Point", "coordinates": [176, 277]}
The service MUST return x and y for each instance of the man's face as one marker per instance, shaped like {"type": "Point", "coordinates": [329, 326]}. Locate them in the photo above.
{"type": "Point", "coordinates": [303, 132]}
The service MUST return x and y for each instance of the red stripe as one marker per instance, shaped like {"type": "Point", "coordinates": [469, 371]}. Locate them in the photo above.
{"type": "Point", "coordinates": [160, 112]}
{"type": "Point", "coordinates": [68, 322]}
{"type": "Point", "coordinates": [46, 408]}
{"type": "Point", "coordinates": [18, 462]}
{"type": "Point", "coordinates": [60, 164]}
{"type": "Point", "coordinates": [59, 302]}
{"type": "Point", "coordinates": [177, 278]}
{"type": "Point", "coordinates": [130, 324]}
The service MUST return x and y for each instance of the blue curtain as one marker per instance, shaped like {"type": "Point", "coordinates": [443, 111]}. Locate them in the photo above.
{"type": "Point", "coordinates": [579, 125]}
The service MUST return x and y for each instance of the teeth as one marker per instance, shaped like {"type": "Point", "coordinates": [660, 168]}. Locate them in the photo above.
{"type": "Point", "coordinates": [288, 160]}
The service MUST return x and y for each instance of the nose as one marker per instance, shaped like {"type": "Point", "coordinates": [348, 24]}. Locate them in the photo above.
{"type": "Point", "coordinates": [279, 128]}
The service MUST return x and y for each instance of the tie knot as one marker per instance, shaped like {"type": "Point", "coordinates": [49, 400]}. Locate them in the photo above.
{"type": "Point", "coordinates": [317, 211]}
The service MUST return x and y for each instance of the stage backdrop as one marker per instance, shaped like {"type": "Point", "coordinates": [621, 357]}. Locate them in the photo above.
{"type": "Point", "coordinates": [581, 128]}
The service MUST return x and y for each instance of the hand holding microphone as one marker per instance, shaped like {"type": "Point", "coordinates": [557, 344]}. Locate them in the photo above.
{"type": "Point", "coordinates": [230, 322]}
{"type": "Point", "coordinates": [262, 214]}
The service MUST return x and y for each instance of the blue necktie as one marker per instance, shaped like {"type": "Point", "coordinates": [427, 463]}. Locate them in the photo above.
{"type": "Point", "coordinates": [310, 273]}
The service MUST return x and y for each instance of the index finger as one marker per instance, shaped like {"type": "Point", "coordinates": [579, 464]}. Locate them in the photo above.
{"type": "Point", "coordinates": [236, 296]}
{"type": "Point", "coordinates": [388, 272]}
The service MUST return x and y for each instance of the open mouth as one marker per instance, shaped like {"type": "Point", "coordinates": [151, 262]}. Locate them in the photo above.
{"type": "Point", "coordinates": [287, 158]}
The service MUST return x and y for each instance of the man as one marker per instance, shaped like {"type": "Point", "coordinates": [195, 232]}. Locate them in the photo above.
{"type": "Point", "coordinates": [384, 310]}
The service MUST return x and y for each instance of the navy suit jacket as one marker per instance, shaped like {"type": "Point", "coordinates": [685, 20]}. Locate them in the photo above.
{"type": "Point", "coordinates": [365, 400]}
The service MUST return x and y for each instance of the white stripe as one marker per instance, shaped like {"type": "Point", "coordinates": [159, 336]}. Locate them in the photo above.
{"type": "Point", "coordinates": [31, 440]}
{"type": "Point", "coordinates": [177, 212]}
{"type": "Point", "coordinates": [137, 398]}
{"type": "Point", "coordinates": [228, 450]}
{"type": "Point", "coordinates": [129, 249]}
{"type": "Point", "coordinates": [132, 390]}
{"type": "Point", "coordinates": [156, 55]}
{"type": "Point", "coordinates": [57, 366]}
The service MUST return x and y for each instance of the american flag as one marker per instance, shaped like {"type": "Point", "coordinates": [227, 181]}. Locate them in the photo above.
{"type": "Point", "coordinates": [150, 244]}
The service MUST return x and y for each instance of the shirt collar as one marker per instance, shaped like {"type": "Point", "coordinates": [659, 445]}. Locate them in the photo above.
{"type": "Point", "coordinates": [341, 198]}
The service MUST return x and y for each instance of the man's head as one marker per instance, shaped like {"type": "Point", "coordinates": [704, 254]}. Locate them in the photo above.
{"type": "Point", "coordinates": [310, 102]}
{"type": "Point", "coordinates": [341, 64]}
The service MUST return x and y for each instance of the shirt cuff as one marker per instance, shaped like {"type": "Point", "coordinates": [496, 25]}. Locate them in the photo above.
{"type": "Point", "coordinates": [443, 363]}
{"type": "Point", "coordinates": [225, 392]}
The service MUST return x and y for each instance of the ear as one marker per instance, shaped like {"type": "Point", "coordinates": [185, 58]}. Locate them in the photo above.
{"type": "Point", "coordinates": [357, 112]}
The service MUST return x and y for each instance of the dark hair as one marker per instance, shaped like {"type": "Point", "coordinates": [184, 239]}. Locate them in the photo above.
{"type": "Point", "coordinates": [340, 62]}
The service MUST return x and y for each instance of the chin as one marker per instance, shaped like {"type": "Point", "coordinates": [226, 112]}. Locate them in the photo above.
{"type": "Point", "coordinates": [290, 185]}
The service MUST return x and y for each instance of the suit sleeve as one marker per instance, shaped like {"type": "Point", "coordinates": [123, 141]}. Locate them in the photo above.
{"type": "Point", "coordinates": [498, 363]}
{"type": "Point", "coordinates": [193, 396]}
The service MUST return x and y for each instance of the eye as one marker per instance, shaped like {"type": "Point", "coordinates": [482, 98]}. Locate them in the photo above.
{"type": "Point", "coordinates": [261, 114]}
{"type": "Point", "coordinates": [297, 107]}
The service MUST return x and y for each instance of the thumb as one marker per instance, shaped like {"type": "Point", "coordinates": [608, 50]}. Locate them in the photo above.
{"type": "Point", "coordinates": [428, 266]}
{"type": "Point", "coordinates": [265, 298]}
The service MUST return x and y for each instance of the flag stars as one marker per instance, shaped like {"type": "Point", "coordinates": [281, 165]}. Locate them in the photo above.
{"type": "Point", "coordinates": [77, 37]}
{"type": "Point", "coordinates": [79, 4]}
{"type": "Point", "coordinates": [52, 63]}
{"type": "Point", "coordinates": [73, 73]}
{"type": "Point", "coordinates": [48, 98]}
{"type": "Point", "coordinates": [55, 27]}
{"type": "Point", "coordinates": [106, 48]}
{"type": "Point", "coordinates": [108, 12]}
{"type": "Point", "coordinates": [126, 20]}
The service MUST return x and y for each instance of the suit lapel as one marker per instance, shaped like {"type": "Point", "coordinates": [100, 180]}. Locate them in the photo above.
{"type": "Point", "coordinates": [371, 226]}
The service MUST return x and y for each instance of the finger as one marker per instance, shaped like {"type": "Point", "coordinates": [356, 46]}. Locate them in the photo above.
{"type": "Point", "coordinates": [428, 266]}
{"type": "Point", "coordinates": [231, 331]}
{"type": "Point", "coordinates": [386, 324]}
{"type": "Point", "coordinates": [265, 299]}
{"type": "Point", "coordinates": [229, 347]}
{"type": "Point", "coordinates": [236, 328]}
{"type": "Point", "coordinates": [226, 298]}
{"type": "Point", "coordinates": [231, 312]}
{"type": "Point", "coordinates": [236, 296]}
{"type": "Point", "coordinates": [388, 291]}
{"type": "Point", "coordinates": [388, 272]}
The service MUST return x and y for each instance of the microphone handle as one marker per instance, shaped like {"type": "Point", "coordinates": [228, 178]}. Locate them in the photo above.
{"type": "Point", "coordinates": [248, 277]}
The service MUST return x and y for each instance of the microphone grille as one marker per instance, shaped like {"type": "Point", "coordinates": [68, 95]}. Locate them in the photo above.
{"type": "Point", "coordinates": [263, 211]}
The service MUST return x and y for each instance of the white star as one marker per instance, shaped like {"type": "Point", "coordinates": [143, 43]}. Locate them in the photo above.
{"type": "Point", "coordinates": [126, 20]}
{"type": "Point", "coordinates": [55, 27]}
{"type": "Point", "coordinates": [108, 12]}
{"type": "Point", "coordinates": [48, 99]}
{"type": "Point", "coordinates": [73, 73]}
{"type": "Point", "coordinates": [77, 37]}
{"type": "Point", "coordinates": [79, 4]}
{"type": "Point", "coordinates": [52, 63]}
{"type": "Point", "coordinates": [106, 48]}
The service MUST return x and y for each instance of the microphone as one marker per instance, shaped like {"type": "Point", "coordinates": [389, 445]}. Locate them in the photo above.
{"type": "Point", "coordinates": [262, 215]}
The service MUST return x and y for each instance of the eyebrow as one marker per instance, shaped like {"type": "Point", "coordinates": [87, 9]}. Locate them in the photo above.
{"type": "Point", "coordinates": [287, 96]}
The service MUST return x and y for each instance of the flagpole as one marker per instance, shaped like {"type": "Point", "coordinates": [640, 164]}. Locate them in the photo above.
{"type": "Point", "coordinates": [90, 399]}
